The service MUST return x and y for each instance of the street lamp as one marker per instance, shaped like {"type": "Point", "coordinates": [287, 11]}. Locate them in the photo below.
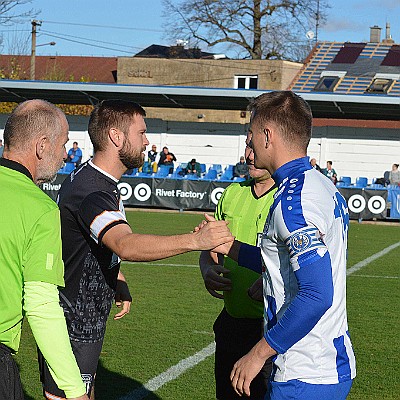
{"type": "Point", "coordinates": [34, 45]}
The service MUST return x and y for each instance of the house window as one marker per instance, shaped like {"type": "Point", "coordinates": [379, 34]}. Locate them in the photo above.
{"type": "Point", "coordinates": [327, 84]}
{"type": "Point", "coordinates": [380, 86]}
{"type": "Point", "coordinates": [246, 82]}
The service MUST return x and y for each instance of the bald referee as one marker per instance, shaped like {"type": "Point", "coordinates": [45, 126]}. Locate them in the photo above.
{"type": "Point", "coordinates": [31, 266]}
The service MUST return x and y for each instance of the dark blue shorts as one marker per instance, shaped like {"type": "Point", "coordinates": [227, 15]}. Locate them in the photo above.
{"type": "Point", "coordinates": [297, 390]}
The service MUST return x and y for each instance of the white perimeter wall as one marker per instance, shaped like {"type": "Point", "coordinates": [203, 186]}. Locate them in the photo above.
{"type": "Point", "coordinates": [350, 156]}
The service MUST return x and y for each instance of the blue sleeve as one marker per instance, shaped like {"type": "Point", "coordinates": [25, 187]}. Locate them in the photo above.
{"type": "Point", "coordinates": [313, 299]}
{"type": "Point", "coordinates": [250, 257]}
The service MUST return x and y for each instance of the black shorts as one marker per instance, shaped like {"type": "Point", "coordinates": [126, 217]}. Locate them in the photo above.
{"type": "Point", "coordinates": [10, 381]}
{"type": "Point", "coordinates": [87, 356]}
{"type": "Point", "coordinates": [235, 337]}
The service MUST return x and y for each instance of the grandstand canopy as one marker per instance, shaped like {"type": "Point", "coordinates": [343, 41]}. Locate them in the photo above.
{"type": "Point", "coordinates": [323, 105]}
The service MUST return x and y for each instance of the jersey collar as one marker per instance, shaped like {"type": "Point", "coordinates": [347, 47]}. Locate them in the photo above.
{"type": "Point", "coordinates": [297, 165]}
{"type": "Point", "coordinates": [102, 171]}
{"type": "Point", "coordinates": [16, 166]}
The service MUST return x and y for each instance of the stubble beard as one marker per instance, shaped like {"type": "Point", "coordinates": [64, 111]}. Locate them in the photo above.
{"type": "Point", "coordinates": [129, 157]}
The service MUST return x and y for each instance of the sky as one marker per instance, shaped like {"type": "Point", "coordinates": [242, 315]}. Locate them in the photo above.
{"type": "Point", "coordinates": [124, 27]}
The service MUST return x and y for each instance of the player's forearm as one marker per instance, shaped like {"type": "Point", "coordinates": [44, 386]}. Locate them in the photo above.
{"type": "Point", "coordinates": [47, 321]}
{"type": "Point", "coordinates": [137, 247]}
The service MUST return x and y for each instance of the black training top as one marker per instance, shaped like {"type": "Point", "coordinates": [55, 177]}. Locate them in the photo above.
{"type": "Point", "coordinates": [90, 205]}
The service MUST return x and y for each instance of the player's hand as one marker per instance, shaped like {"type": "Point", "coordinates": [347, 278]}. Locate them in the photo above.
{"type": "Point", "coordinates": [123, 298]}
{"type": "Point", "coordinates": [126, 307]}
{"type": "Point", "coordinates": [214, 280]}
{"type": "Point", "coordinates": [212, 234]}
{"type": "Point", "coordinates": [255, 291]}
{"type": "Point", "coordinates": [247, 368]}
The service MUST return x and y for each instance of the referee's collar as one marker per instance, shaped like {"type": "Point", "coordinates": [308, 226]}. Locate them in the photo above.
{"type": "Point", "coordinates": [16, 166]}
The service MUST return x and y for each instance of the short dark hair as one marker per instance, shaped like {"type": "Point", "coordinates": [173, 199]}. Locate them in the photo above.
{"type": "Point", "coordinates": [288, 111]}
{"type": "Point", "coordinates": [111, 114]}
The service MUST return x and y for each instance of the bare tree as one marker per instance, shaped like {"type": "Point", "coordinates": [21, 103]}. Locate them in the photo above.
{"type": "Point", "coordinates": [10, 14]}
{"type": "Point", "coordinates": [271, 29]}
{"type": "Point", "coordinates": [13, 12]}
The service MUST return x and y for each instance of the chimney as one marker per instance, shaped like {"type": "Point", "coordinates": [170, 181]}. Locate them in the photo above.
{"type": "Point", "coordinates": [388, 39]}
{"type": "Point", "coordinates": [375, 34]}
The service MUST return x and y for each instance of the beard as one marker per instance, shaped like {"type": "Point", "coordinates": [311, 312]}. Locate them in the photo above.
{"type": "Point", "coordinates": [130, 157]}
{"type": "Point", "coordinates": [48, 171]}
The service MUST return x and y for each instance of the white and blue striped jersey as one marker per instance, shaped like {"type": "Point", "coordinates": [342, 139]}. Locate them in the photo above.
{"type": "Point", "coordinates": [304, 249]}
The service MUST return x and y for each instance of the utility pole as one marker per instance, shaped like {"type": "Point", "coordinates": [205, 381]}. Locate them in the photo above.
{"type": "Point", "coordinates": [33, 51]}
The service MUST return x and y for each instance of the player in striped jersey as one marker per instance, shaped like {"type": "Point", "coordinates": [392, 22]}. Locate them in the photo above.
{"type": "Point", "coordinates": [303, 258]}
{"type": "Point", "coordinates": [239, 325]}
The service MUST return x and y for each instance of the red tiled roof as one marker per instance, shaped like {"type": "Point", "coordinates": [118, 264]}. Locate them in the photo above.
{"type": "Point", "coordinates": [63, 68]}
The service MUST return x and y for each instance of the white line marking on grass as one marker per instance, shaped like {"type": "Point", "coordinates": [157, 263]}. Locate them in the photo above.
{"type": "Point", "coordinates": [369, 260]}
{"type": "Point", "coordinates": [204, 333]}
{"type": "Point", "coordinates": [176, 370]}
{"type": "Point", "coordinates": [170, 374]}
{"type": "Point", "coordinates": [377, 276]}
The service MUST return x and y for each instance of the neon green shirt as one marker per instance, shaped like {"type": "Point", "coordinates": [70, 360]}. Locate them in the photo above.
{"type": "Point", "coordinates": [30, 247]}
{"type": "Point", "coordinates": [246, 214]}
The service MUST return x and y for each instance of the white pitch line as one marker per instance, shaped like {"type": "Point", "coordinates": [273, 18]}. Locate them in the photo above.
{"type": "Point", "coordinates": [377, 276]}
{"type": "Point", "coordinates": [170, 374]}
{"type": "Point", "coordinates": [374, 257]}
{"type": "Point", "coordinates": [176, 370]}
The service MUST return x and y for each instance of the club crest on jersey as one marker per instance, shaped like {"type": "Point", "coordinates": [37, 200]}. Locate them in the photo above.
{"type": "Point", "coordinates": [300, 241]}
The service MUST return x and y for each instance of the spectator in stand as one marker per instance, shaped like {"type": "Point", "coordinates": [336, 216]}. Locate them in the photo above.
{"type": "Point", "coordinates": [241, 169]}
{"type": "Point", "coordinates": [167, 158]}
{"type": "Point", "coordinates": [330, 172]}
{"type": "Point", "coordinates": [152, 154]}
{"type": "Point", "coordinates": [394, 175]}
{"type": "Point", "coordinates": [1, 148]}
{"type": "Point", "coordinates": [75, 154]}
{"type": "Point", "coordinates": [193, 167]}
{"type": "Point", "coordinates": [314, 164]}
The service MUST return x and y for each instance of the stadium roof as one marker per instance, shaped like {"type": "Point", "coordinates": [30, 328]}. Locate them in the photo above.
{"type": "Point", "coordinates": [323, 105]}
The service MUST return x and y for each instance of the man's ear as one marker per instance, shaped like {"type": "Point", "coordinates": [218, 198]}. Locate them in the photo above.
{"type": "Point", "coordinates": [116, 137]}
{"type": "Point", "coordinates": [41, 144]}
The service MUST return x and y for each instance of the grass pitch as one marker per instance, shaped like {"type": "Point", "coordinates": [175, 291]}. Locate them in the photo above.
{"type": "Point", "coordinates": [172, 315]}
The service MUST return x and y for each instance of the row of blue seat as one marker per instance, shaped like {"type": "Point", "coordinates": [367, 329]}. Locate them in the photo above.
{"type": "Point", "coordinates": [215, 172]}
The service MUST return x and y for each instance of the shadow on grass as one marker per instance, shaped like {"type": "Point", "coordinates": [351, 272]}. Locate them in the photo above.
{"type": "Point", "coordinates": [112, 386]}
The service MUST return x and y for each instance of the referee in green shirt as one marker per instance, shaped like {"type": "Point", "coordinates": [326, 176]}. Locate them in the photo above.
{"type": "Point", "coordinates": [31, 266]}
{"type": "Point", "coordinates": [239, 326]}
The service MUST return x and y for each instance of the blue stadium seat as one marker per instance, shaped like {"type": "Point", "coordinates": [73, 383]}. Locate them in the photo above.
{"type": "Point", "coordinates": [175, 175]}
{"type": "Point", "coordinates": [217, 167]}
{"type": "Point", "coordinates": [361, 181]}
{"type": "Point", "coordinates": [203, 168]}
{"type": "Point", "coordinates": [191, 177]}
{"type": "Point", "coordinates": [211, 174]}
{"type": "Point", "coordinates": [163, 171]}
{"type": "Point", "coordinates": [68, 167]}
{"type": "Point", "coordinates": [376, 186]}
{"type": "Point", "coordinates": [238, 179]}
{"type": "Point", "coordinates": [131, 173]}
{"type": "Point", "coordinates": [226, 176]}
{"type": "Point", "coordinates": [340, 184]}
{"type": "Point", "coordinates": [143, 175]}
{"type": "Point", "coordinates": [346, 180]}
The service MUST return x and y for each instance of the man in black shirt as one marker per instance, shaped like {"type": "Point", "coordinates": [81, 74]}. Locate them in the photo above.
{"type": "Point", "coordinates": [96, 234]}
